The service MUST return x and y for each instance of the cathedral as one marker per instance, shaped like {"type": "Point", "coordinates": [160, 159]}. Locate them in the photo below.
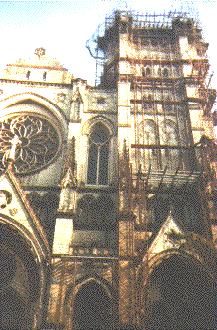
{"type": "Point", "coordinates": [108, 193]}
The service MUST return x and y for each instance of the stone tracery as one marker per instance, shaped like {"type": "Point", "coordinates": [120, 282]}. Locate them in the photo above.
{"type": "Point", "coordinates": [34, 139]}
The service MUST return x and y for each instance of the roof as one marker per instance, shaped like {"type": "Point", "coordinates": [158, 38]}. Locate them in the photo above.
{"type": "Point", "coordinates": [39, 60]}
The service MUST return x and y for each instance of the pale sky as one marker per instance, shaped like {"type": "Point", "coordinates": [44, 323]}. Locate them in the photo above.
{"type": "Point", "coordinates": [62, 28]}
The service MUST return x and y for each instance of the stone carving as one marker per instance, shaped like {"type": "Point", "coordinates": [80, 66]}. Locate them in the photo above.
{"type": "Point", "coordinates": [13, 211]}
{"type": "Point", "coordinates": [5, 198]}
{"type": "Point", "coordinates": [33, 140]}
{"type": "Point", "coordinates": [61, 97]}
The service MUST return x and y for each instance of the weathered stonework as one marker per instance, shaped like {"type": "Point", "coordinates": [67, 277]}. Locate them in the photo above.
{"type": "Point", "coordinates": [118, 167]}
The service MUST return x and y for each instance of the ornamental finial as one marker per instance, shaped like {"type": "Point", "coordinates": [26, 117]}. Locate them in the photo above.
{"type": "Point", "coordinates": [40, 52]}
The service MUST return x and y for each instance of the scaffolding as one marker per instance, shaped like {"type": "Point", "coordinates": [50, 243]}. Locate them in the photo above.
{"type": "Point", "coordinates": [136, 24]}
{"type": "Point", "coordinates": [147, 167]}
{"type": "Point", "coordinates": [139, 180]}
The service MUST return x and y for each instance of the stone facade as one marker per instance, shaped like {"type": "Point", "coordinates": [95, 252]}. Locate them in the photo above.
{"type": "Point", "coordinates": [95, 179]}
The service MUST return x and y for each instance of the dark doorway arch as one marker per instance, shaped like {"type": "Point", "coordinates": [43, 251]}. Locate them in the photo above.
{"type": "Point", "coordinates": [180, 295]}
{"type": "Point", "coordinates": [19, 280]}
{"type": "Point", "coordinates": [92, 307]}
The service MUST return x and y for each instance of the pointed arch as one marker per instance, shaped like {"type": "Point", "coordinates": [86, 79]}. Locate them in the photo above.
{"type": "Point", "coordinates": [170, 139]}
{"type": "Point", "coordinates": [98, 155]}
{"type": "Point", "coordinates": [146, 71]}
{"type": "Point", "coordinates": [22, 264]}
{"type": "Point", "coordinates": [48, 108]}
{"type": "Point", "coordinates": [90, 304]}
{"type": "Point", "coordinates": [149, 138]}
{"type": "Point", "coordinates": [108, 148]}
{"type": "Point", "coordinates": [175, 280]}
{"type": "Point", "coordinates": [148, 132]}
{"type": "Point", "coordinates": [169, 133]}
{"type": "Point", "coordinates": [165, 72]}
{"type": "Point", "coordinates": [88, 125]}
{"type": "Point", "coordinates": [77, 108]}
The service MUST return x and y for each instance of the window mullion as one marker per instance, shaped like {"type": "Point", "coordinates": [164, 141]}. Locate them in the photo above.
{"type": "Point", "coordinates": [97, 168]}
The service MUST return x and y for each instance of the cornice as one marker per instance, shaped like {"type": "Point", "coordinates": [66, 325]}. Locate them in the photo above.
{"type": "Point", "coordinates": [38, 83]}
{"type": "Point", "coordinates": [163, 61]}
{"type": "Point", "coordinates": [37, 101]}
{"type": "Point", "coordinates": [37, 67]}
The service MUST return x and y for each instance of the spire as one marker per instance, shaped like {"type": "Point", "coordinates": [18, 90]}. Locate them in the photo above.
{"type": "Point", "coordinates": [68, 179]}
{"type": "Point", "coordinates": [67, 196]}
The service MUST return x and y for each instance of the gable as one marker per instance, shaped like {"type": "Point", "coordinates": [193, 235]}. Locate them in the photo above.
{"type": "Point", "coordinates": [15, 211]}
{"type": "Point", "coordinates": [161, 242]}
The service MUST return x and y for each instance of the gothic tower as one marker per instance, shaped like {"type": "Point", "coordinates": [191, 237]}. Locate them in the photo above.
{"type": "Point", "coordinates": [108, 192]}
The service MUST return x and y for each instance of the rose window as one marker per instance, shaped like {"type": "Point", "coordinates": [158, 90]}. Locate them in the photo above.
{"type": "Point", "coordinates": [33, 141]}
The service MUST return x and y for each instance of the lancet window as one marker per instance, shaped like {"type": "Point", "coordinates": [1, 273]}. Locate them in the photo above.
{"type": "Point", "coordinates": [148, 137]}
{"type": "Point", "coordinates": [98, 155]}
{"type": "Point", "coordinates": [77, 108]}
{"type": "Point", "coordinates": [169, 139]}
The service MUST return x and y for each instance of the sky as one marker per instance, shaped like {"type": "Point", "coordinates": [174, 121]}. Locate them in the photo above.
{"type": "Point", "coordinates": [62, 28]}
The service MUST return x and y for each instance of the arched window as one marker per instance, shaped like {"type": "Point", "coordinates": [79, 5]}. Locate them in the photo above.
{"type": "Point", "coordinates": [148, 137]}
{"type": "Point", "coordinates": [28, 75]}
{"type": "Point", "coordinates": [169, 134]}
{"type": "Point", "coordinates": [169, 138]}
{"type": "Point", "coordinates": [148, 132]}
{"type": "Point", "coordinates": [145, 104]}
{"type": "Point", "coordinates": [150, 97]}
{"type": "Point", "coordinates": [98, 155]}
{"type": "Point", "coordinates": [148, 71]}
{"type": "Point", "coordinates": [165, 72]}
{"type": "Point", "coordinates": [143, 72]}
{"type": "Point", "coordinates": [77, 108]}
{"type": "Point", "coordinates": [148, 102]}
{"type": "Point", "coordinates": [45, 76]}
